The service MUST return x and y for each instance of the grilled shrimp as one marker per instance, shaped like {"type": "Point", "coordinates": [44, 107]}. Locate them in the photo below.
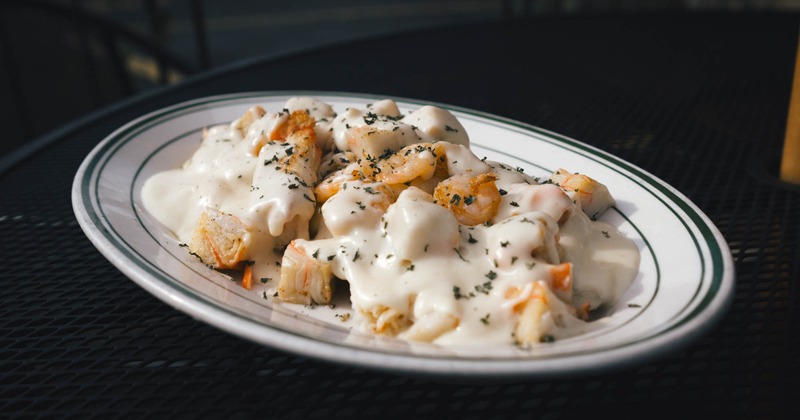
{"type": "Point", "coordinates": [420, 165]}
{"type": "Point", "coordinates": [472, 199]}
{"type": "Point", "coordinates": [329, 186]}
{"type": "Point", "coordinates": [592, 195]}
{"type": "Point", "coordinates": [530, 328]}
{"type": "Point", "coordinates": [419, 161]}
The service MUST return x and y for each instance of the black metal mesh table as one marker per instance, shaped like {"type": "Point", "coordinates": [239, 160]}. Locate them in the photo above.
{"type": "Point", "coordinates": [698, 100]}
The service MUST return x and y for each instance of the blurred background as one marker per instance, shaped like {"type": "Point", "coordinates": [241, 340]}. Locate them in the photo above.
{"type": "Point", "coordinates": [62, 59]}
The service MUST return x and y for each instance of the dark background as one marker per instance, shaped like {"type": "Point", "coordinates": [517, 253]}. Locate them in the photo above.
{"type": "Point", "coordinates": [697, 99]}
{"type": "Point", "coordinates": [62, 59]}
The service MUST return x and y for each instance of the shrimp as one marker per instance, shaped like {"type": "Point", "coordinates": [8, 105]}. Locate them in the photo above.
{"type": "Point", "coordinates": [561, 281]}
{"type": "Point", "coordinates": [544, 309]}
{"type": "Point", "coordinates": [421, 165]}
{"type": "Point", "coordinates": [332, 183]}
{"type": "Point", "coordinates": [592, 195]}
{"type": "Point", "coordinates": [370, 141]}
{"type": "Point", "coordinates": [530, 328]}
{"type": "Point", "coordinates": [411, 162]}
{"type": "Point", "coordinates": [473, 200]}
{"type": "Point", "coordinates": [304, 279]}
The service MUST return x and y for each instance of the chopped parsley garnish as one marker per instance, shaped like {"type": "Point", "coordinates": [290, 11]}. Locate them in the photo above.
{"type": "Point", "coordinates": [485, 319]}
{"type": "Point", "coordinates": [370, 118]}
{"type": "Point", "coordinates": [456, 199]}
{"type": "Point", "coordinates": [469, 200]}
{"type": "Point", "coordinates": [301, 182]}
{"type": "Point", "coordinates": [458, 295]}
{"type": "Point", "coordinates": [502, 191]}
{"type": "Point", "coordinates": [484, 288]}
{"type": "Point", "coordinates": [491, 275]}
{"type": "Point", "coordinates": [386, 154]}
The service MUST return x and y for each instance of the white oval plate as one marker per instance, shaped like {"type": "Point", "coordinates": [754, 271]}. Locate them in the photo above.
{"type": "Point", "coordinates": [684, 285]}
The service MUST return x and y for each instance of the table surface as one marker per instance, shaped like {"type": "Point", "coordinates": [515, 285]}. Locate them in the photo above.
{"type": "Point", "coordinates": [698, 100]}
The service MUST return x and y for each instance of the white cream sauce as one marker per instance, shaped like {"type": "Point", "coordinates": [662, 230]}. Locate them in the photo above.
{"type": "Point", "coordinates": [414, 258]}
{"type": "Point", "coordinates": [417, 249]}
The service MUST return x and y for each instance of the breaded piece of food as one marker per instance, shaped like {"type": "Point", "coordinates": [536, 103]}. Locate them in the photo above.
{"type": "Point", "coordinates": [220, 239]}
{"type": "Point", "coordinates": [305, 157]}
{"type": "Point", "coordinates": [304, 279]}
{"type": "Point", "coordinates": [244, 122]}
{"type": "Point", "coordinates": [298, 120]}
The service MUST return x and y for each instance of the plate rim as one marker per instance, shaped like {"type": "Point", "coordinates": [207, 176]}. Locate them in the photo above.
{"type": "Point", "coordinates": [691, 325]}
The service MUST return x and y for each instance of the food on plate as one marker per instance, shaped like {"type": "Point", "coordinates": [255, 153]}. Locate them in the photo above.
{"type": "Point", "coordinates": [431, 242]}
